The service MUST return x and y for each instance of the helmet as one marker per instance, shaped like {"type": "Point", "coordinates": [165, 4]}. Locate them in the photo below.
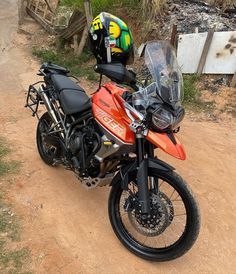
{"type": "Point", "coordinates": [110, 40]}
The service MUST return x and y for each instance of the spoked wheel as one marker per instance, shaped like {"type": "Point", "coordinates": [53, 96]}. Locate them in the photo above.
{"type": "Point", "coordinates": [172, 226]}
{"type": "Point", "coordinates": [47, 152]}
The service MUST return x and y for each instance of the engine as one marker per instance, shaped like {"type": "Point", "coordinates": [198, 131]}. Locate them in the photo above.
{"type": "Point", "coordinates": [84, 143]}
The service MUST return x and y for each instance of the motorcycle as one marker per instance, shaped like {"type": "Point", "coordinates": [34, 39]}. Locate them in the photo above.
{"type": "Point", "coordinates": [110, 139]}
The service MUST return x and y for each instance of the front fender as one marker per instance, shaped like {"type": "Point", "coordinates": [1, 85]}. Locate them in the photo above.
{"type": "Point", "coordinates": [123, 175]}
{"type": "Point", "coordinates": [170, 145]}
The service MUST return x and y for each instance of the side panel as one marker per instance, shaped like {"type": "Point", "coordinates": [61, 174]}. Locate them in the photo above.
{"type": "Point", "coordinates": [164, 142]}
{"type": "Point", "coordinates": [109, 113]}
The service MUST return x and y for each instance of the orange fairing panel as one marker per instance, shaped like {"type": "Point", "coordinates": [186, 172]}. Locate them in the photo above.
{"type": "Point", "coordinates": [109, 113]}
{"type": "Point", "coordinates": [162, 141]}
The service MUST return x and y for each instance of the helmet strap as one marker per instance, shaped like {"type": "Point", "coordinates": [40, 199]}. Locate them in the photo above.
{"type": "Point", "coordinates": [107, 45]}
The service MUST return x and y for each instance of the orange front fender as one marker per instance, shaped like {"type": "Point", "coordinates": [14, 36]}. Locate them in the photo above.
{"type": "Point", "coordinates": [162, 141]}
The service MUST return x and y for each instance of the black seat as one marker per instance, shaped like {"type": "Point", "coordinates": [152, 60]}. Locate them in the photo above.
{"type": "Point", "coordinates": [61, 82]}
{"type": "Point", "coordinates": [74, 101]}
{"type": "Point", "coordinates": [72, 97]}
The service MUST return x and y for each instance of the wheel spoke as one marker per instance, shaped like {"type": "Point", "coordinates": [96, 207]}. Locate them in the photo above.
{"type": "Point", "coordinates": [175, 199]}
{"type": "Point", "coordinates": [163, 238]}
{"type": "Point", "coordinates": [145, 240]}
{"type": "Point", "coordinates": [172, 194]}
{"type": "Point", "coordinates": [177, 215]}
{"type": "Point", "coordinates": [164, 232]}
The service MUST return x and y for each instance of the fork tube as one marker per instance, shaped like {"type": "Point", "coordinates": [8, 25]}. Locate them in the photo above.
{"type": "Point", "coordinates": [153, 181]}
{"type": "Point", "coordinates": [142, 176]}
{"type": "Point", "coordinates": [139, 149]}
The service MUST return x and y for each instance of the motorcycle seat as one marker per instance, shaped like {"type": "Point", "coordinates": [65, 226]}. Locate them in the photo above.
{"type": "Point", "coordinates": [72, 97]}
{"type": "Point", "coordinates": [61, 82]}
{"type": "Point", "coordinates": [74, 101]}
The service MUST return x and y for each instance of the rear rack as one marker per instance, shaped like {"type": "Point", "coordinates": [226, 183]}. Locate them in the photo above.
{"type": "Point", "coordinates": [34, 99]}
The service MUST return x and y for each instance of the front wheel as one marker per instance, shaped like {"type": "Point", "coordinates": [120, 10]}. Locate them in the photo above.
{"type": "Point", "coordinates": [172, 226]}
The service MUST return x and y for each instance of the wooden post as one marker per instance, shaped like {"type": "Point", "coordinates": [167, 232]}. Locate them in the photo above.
{"type": "Point", "coordinates": [75, 39]}
{"type": "Point", "coordinates": [88, 12]}
{"type": "Point", "coordinates": [205, 51]}
{"type": "Point", "coordinates": [89, 17]}
{"type": "Point", "coordinates": [45, 11]}
{"type": "Point", "coordinates": [36, 6]}
{"type": "Point", "coordinates": [82, 42]}
{"type": "Point", "coordinates": [173, 36]}
{"type": "Point", "coordinates": [48, 6]}
{"type": "Point", "coordinates": [21, 11]}
{"type": "Point", "coordinates": [233, 82]}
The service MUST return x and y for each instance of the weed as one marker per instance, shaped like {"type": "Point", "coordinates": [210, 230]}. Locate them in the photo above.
{"type": "Point", "coordinates": [79, 66]}
{"type": "Point", "coordinates": [222, 3]}
{"type": "Point", "coordinates": [11, 260]}
{"type": "Point", "coordinates": [4, 149]}
{"type": "Point", "coordinates": [191, 93]}
{"type": "Point", "coordinates": [5, 166]}
{"type": "Point", "coordinates": [103, 5]}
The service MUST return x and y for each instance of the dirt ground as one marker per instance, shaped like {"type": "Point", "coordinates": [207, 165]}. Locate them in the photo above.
{"type": "Point", "coordinates": [66, 227]}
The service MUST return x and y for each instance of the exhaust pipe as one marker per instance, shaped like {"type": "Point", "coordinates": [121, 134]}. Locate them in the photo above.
{"type": "Point", "coordinates": [48, 105]}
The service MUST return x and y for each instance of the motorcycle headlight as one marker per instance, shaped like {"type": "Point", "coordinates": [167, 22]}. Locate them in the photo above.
{"type": "Point", "coordinates": [161, 118]}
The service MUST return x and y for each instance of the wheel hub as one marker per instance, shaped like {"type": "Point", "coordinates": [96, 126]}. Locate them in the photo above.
{"type": "Point", "coordinates": [160, 217]}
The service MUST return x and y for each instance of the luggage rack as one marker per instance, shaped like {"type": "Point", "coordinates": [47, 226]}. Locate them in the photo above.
{"type": "Point", "coordinates": [33, 99]}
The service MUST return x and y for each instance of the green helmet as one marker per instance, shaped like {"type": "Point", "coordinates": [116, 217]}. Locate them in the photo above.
{"type": "Point", "coordinates": [111, 40]}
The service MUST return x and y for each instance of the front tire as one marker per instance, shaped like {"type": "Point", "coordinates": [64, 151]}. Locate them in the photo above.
{"type": "Point", "coordinates": [139, 247]}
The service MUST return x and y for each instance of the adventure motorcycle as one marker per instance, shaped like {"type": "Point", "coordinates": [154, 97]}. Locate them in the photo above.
{"type": "Point", "coordinates": [110, 138]}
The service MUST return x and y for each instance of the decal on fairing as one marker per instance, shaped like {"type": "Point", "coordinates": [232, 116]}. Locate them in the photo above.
{"type": "Point", "coordinates": [109, 122]}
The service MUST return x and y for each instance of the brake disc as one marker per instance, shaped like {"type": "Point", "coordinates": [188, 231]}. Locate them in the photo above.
{"type": "Point", "coordinates": [159, 219]}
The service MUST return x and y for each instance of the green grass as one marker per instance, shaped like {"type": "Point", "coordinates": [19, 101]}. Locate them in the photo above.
{"type": "Point", "coordinates": [191, 92]}
{"type": "Point", "coordinates": [12, 260]}
{"type": "Point", "coordinates": [192, 95]}
{"type": "Point", "coordinates": [6, 166]}
{"type": "Point", "coordinates": [105, 5]}
{"type": "Point", "coordinates": [81, 66]}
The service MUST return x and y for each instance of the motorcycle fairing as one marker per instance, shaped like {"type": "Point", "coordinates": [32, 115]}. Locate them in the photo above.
{"type": "Point", "coordinates": [164, 142]}
{"type": "Point", "coordinates": [109, 113]}
{"type": "Point", "coordinates": [124, 173]}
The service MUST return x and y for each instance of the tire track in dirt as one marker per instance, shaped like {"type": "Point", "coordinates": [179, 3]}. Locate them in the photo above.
{"type": "Point", "coordinates": [67, 227]}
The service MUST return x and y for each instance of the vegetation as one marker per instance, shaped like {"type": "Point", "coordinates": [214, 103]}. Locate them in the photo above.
{"type": "Point", "coordinates": [79, 66]}
{"type": "Point", "coordinates": [112, 6]}
{"type": "Point", "coordinates": [191, 92]}
{"type": "Point", "coordinates": [5, 166]}
{"type": "Point", "coordinates": [12, 259]}
{"type": "Point", "coordinates": [222, 3]}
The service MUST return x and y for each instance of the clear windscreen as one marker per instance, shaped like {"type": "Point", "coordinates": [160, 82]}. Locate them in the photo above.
{"type": "Point", "coordinates": [161, 62]}
{"type": "Point", "coordinates": [160, 97]}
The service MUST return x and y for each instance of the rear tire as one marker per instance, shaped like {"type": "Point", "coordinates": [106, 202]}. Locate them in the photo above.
{"type": "Point", "coordinates": [43, 124]}
{"type": "Point", "coordinates": [182, 245]}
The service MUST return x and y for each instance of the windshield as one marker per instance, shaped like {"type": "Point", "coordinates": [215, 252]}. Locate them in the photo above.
{"type": "Point", "coordinates": [161, 62]}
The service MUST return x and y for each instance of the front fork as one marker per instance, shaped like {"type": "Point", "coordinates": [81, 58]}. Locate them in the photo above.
{"type": "Point", "coordinates": [144, 150]}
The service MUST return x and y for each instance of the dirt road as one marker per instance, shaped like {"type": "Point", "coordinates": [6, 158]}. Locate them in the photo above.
{"type": "Point", "coordinates": [67, 227]}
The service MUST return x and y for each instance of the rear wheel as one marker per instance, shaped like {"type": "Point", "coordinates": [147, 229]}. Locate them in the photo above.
{"type": "Point", "coordinates": [47, 152]}
{"type": "Point", "coordinates": [172, 226]}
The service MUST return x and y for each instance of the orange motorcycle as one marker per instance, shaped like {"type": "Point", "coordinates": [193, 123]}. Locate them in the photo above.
{"type": "Point", "coordinates": [112, 139]}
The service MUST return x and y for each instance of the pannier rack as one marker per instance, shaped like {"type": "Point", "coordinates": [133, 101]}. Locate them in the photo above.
{"type": "Point", "coordinates": [34, 99]}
